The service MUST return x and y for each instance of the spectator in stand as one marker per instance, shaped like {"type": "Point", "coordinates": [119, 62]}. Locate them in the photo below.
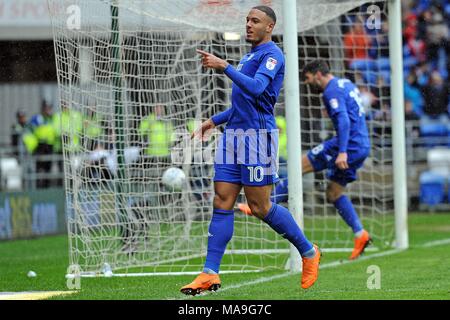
{"type": "Point", "coordinates": [356, 43]}
{"type": "Point", "coordinates": [410, 114]}
{"type": "Point", "coordinates": [19, 131]}
{"type": "Point", "coordinates": [422, 72]}
{"type": "Point", "coordinates": [43, 129]}
{"type": "Point", "coordinates": [413, 94]}
{"type": "Point", "coordinates": [416, 47]}
{"type": "Point", "coordinates": [410, 28]}
{"type": "Point", "coordinates": [412, 124]}
{"type": "Point", "coordinates": [436, 96]}
{"type": "Point", "coordinates": [423, 20]}
{"type": "Point", "coordinates": [380, 45]}
{"type": "Point", "coordinates": [436, 37]}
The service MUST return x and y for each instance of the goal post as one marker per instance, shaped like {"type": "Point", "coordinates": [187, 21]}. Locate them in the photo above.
{"type": "Point", "coordinates": [398, 126]}
{"type": "Point", "coordinates": [130, 68]}
{"type": "Point", "coordinates": [292, 100]}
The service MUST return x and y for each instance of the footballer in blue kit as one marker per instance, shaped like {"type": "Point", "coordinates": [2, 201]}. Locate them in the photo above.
{"type": "Point", "coordinates": [343, 154]}
{"type": "Point", "coordinates": [247, 152]}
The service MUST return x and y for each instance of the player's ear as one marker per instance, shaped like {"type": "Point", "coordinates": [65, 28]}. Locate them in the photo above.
{"type": "Point", "coordinates": [270, 27]}
{"type": "Point", "coordinates": [319, 75]}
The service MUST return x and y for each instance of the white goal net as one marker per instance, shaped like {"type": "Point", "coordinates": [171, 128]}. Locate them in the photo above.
{"type": "Point", "coordinates": [133, 86]}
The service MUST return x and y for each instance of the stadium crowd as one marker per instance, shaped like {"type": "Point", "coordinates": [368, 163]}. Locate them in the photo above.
{"type": "Point", "coordinates": [426, 53]}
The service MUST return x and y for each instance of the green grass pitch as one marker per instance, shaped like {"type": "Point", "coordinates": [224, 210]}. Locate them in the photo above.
{"type": "Point", "coordinates": [421, 272]}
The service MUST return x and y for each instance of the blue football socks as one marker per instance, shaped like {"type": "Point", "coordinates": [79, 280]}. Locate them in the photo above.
{"type": "Point", "coordinates": [281, 220]}
{"type": "Point", "coordinates": [346, 210]}
{"type": "Point", "coordinates": [220, 233]}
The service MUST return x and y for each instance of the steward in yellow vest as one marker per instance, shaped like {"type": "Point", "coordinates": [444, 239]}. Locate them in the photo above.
{"type": "Point", "coordinates": [68, 125]}
{"type": "Point", "coordinates": [158, 133]}
{"type": "Point", "coordinates": [282, 138]}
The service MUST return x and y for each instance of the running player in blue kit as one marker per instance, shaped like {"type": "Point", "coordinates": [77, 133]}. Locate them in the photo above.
{"type": "Point", "coordinates": [246, 155]}
{"type": "Point", "coordinates": [343, 154]}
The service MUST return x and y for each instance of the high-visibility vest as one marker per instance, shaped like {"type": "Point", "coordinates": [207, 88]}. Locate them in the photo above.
{"type": "Point", "coordinates": [159, 134]}
{"type": "Point", "coordinates": [45, 131]}
{"type": "Point", "coordinates": [68, 123]}
{"type": "Point", "coordinates": [92, 128]}
{"type": "Point", "coordinates": [282, 137]}
{"type": "Point", "coordinates": [30, 141]}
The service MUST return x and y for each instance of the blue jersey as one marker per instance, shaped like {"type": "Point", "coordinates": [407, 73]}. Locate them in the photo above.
{"type": "Point", "coordinates": [250, 110]}
{"type": "Point", "coordinates": [343, 103]}
{"type": "Point", "coordinates": [250, 158]}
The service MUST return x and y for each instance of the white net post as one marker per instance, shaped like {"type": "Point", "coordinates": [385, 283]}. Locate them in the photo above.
{"type": "Point", "coordinates": [398, 126]}
{"type": "Point", "coordinates": [292, 99]}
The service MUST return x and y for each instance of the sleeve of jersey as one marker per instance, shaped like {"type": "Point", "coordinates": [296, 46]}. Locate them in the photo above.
{"type": "Point", "coordinates": [338, 112]}
{"type": "Point", "coordinates": [271, 64]}
{"type": "Point", "coordinates": [253, 86]}
{"type": "Point", "coordinates": [222, 117]}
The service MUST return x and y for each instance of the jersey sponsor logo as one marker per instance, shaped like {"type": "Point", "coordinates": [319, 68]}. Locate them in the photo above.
{"type": "Point", "coordinates": [271, 63]}
{"type": "Point", "coordinates": [334, 103]}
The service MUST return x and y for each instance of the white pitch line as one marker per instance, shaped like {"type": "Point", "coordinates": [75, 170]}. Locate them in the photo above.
{"type": "Point", "coordinates": [283, 275]}
{"type": "Point", "coordinates": [435, 243]}
{"type": "Point", "coordinates": [324, 266]}
{"type": "Point", "coordinates": [338, 263]}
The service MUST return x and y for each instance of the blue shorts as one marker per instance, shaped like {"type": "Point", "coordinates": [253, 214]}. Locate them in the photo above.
{"type": "Point", "coordinates": [324, 156]}
{"type": "Point", "coordinates": [247, 158]}
{"type": "Point", "coordinates": [247, 175]}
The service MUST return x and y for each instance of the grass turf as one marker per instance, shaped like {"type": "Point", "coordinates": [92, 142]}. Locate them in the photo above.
{"type": "Point", "coordinates": [417, 273]}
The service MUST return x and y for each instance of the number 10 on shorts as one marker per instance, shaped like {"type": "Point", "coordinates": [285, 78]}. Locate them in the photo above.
{"type": "Point", "coordinates": [256, 174]}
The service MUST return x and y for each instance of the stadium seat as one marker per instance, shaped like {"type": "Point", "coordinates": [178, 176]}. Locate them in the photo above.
{"type": "Point", "coordinates": [363, 64]}
{"type": "Point", "coordinates": [370, 77]}
{"type": "Point", "coordinates": [434, 132]}
{"type": "Point", "coordinates": [410, 62]}
{"type": "Point", "coordinates": [438, 160]}
{"type": "Point", "coordinates": [383, 64]}
{"type": "Point", "coordinates": [448, 135]}
{"type": "Point", "coordinates": [432, 188]}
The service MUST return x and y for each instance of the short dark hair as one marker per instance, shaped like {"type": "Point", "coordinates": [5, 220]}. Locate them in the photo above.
{"type": "Point", "coordinates": [267, 10]}
{"type": "Point", "coordinates": [316, 66]}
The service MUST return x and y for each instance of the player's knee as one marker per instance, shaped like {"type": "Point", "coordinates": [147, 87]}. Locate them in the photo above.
{"type": "Point", "coordinates": [333, 195]}
{"type": "Point", "coordinates": [259, 209]}
{"type": "Point", "coordinates": [220, 201]}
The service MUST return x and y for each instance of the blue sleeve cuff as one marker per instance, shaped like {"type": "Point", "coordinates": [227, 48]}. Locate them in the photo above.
{"type": "Point", "coordinates": [222, 117]}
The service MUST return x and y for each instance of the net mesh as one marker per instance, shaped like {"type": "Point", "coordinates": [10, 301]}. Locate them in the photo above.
{"type": "Point", "coordinates": [132, 85]}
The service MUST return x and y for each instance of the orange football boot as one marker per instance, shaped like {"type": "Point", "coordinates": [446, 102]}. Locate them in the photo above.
{"type": "Point", "coordinates": [311, 269]}
{"type": "Point", "coordinates": [361, 244]}
{"type": "Point", "coordinates": [245, 208]}
{"type": "Point", "coordinates": [203, 282]}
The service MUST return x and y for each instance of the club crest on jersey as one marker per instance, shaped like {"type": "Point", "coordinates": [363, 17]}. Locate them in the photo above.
{"type": "Point", "coordinates": [334, 103]}
{"type": "Point", "coordinates": [271, 63]}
